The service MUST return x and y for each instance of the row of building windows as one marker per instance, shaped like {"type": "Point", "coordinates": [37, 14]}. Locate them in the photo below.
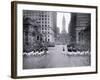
{"type": "Point", "coordinates": [45, 29]}
{"type": "Point", "coordinates": [46, 40]}
{"type": "Point", "coordinates": [43, 25]}
{"type": "Point", "coordinates": [44, 18]}
{"type": "Point", "coordinates": [44, 22]}
{"type": "Point", "coordinates": [44, 15]}
{"type": "Point", "coordinates": [45, 32]}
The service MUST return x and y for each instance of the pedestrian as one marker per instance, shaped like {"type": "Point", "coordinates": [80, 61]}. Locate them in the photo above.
{"type": "Point", "coordinates": [63, 49]}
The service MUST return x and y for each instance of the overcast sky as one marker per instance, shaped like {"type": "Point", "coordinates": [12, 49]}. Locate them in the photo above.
{"type": "Point", "coordinates": [59, 20]}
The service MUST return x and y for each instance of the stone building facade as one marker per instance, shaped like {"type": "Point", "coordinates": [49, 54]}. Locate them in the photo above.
{"type": "Point", "coordinates": [80, 30]}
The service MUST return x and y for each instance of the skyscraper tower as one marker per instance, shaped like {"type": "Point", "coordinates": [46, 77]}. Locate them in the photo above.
{"type": "Point", "coordinates": [63, 35]}
{"type": "Point", "coordinates": [63, 25]}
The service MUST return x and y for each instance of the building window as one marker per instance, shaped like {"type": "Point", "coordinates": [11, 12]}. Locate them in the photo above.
{"type": "Point", "coordinates": [42, 15]}
{"type": "Point", "coordinates": [45, 15]}
{"type": "Point", "coordinates": [37, 37]}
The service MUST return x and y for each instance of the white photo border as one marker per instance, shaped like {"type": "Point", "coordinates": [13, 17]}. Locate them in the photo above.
{"type": "Point", "coordinates": [50, 71]}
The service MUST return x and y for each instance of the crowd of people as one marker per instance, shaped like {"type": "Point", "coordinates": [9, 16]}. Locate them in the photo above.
{"type": "Point", "coordinates": [73, 51]}
{"type": "Point", "coordinates": [37, 52]}
{"type": "Point", "coordinates": [70, 51]}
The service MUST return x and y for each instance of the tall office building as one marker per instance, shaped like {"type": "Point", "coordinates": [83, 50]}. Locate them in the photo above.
{"type": "Point", "coordinates": [63, 36]}
{"type": "Point", "coordinates": [63, 25]}
{"type": "Point", "coordinates": [47, 22]}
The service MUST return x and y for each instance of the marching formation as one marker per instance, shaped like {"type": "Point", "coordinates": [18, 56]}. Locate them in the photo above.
{"type": "Point", "coordinates": [65, 51]}
{"type": "Point", "coordinates": [38, 52]}
{"type": "Point", "coordinates": [75, 52]}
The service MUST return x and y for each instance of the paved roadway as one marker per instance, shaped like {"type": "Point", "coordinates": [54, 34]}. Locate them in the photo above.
{"type": "Point", "coordinates": [54, 59]}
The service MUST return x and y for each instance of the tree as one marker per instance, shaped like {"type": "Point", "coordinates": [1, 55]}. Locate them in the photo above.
{"type": "Point", "coordinates": [32, 35]}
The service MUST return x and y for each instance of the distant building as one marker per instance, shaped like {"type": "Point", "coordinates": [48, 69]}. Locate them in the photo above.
{"type": "Point", "coordinates": [63, 34]}
{"type": "Point", "coordinates": [62, 38]}
{"type": "Point", "coordinates": [64, 25]}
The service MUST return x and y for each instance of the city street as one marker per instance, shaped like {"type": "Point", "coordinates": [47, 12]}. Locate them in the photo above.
{"type": "Point", "coordinates": [55, 58]}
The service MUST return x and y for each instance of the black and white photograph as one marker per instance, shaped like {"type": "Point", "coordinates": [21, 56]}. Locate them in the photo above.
{"type": "Point", "coordinates": [56, 39]}
{"type": "Point", "coordinates": [53, 39]}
